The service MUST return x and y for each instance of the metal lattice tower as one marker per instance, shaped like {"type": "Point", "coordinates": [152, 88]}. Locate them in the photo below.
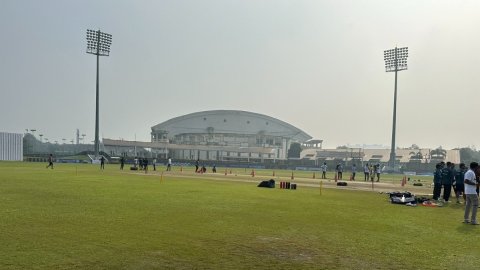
{"type": "Point", "coordinates": [395, 60]}
{"type": "Point", "coordinates": [98, 43]}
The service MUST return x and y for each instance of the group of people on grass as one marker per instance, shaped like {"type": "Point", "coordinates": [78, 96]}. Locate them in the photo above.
{"type": "Point", "coordinates": [469, 188]}
{"type": "Point", "coordinates": [138, 163]}
{"type": "Point", "coordinates": [142, 164]}
{"type": "Point", "coordinates": [446, 177]}
{"type": "Point", "coordinates": [369, 171]}
{"type": "Point", "coordinates": [464, 182]}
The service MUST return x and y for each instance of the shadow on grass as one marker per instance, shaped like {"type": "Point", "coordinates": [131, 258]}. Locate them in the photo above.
{"type": "Point", "coordinates": [468, 228]}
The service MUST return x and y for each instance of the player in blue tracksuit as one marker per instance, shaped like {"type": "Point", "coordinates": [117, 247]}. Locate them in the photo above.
{"type": "Point", "coordinates": [447, 180]}
{"type": "Point", "coordinates": [437, 182]}
{"type": "Point", "coordinates": [459, 185]}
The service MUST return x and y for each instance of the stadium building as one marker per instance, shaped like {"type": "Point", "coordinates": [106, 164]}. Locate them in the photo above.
{"type": "Point", "coordinates": [224, 135]}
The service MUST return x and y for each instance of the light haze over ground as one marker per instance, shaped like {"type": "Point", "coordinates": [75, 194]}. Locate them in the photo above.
{"type": "Point", "coordinates": [315, 64]}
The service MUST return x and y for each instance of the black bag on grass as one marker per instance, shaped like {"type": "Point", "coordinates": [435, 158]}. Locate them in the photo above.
{"type": "Point", "coordinates": [267, 184]}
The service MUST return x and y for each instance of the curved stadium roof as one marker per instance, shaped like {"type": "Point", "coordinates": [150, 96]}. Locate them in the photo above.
{"type": "Point", "coordinates": [230, 122]}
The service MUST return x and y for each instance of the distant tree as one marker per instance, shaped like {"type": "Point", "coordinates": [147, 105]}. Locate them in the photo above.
{"type": "Point", "coordinates": [468, 155]}
{"type": "Point", "coordinates": [416, 155]}
{"type": "Point", "coordinates": [295, 150]}
{"type": "Point", "coordinates": [415, 147]}
{"type": "Point", "coordinates": [438, 153]}
{"type": "Point", "coordinates": [342, 147]}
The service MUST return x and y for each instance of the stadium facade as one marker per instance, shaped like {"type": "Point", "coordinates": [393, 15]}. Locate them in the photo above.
{"type": "Point", "coordinates": [219, 135]}
{"type": "Point", "coordinates": [11, 146]}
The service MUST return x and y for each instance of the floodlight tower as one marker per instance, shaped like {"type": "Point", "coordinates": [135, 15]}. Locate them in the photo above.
{"type": "Point", "coordinates": [395, 60]}
{"type": "Point", "coordinates": [98, 43]}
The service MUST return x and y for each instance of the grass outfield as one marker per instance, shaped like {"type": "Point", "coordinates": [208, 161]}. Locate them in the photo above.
{"type": "Point", "coordinates": [78, 217]}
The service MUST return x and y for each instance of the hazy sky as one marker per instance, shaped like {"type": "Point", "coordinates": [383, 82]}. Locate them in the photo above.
{"type": "Point", "coordinates": [315, 64]}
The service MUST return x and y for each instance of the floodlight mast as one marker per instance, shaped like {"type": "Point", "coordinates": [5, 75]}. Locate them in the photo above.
{"type": "Point", "coordinates": [395, 60]}
{"type": "Point", "coordinates": [98, 43]}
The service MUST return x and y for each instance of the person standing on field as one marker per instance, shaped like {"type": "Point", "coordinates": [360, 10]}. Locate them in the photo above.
{"type": "Point", "coordinates": [102, 163]}
{"type": "Point", "coordinates": [169, 164]}
{"type": "Point", "coordinates": [471, 194]}
{"type": "Point", "coordinates": [459, 184]}
{"type": "Point", "coordinates": [145, 164]}
{"type": "Point", "coordinates": [337, 172]}
{"type": "Point", "coordinates": [196, 164]}
{"type": "Point", "coordinates": [366, 172]}
{"type": "Point", "coordinates": [437, 182]}
{"type": "Point", "coordinates": [447, 180]}
{"type": "Point", "coordinates": [154, 164]}
{"type": "Point", "coordinates": [354, 171]}
{"type": "Point", "coordinates": [122, 163]}
{"type": "Point", "coordinates": [378, 171]}
{"type": "Point", "coordinates": [340, 171]}
{"type": "Point", "coordinates": [324, 170]}
{"type": "Point", "coordinates": [50, 161]}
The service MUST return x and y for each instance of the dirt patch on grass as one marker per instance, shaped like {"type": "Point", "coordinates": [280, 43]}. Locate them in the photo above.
{"type": "Point", "coordinates": [301, 182]}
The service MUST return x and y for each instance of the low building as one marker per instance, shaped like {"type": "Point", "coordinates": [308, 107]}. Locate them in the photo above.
{"type": "Point", "coordinates": [421, 160]}
{"type": "Point", "coordinates": [11, 146]}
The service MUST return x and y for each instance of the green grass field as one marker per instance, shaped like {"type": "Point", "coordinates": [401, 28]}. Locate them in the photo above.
{"type": "Point", "coordinates": [78, 217]}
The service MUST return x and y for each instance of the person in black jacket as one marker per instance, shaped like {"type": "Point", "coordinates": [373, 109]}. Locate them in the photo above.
{"type": "Point", "coordinates": [437, 182]}
{"type": "Point", "coordinates": [447, 180]}
{"type": "Point", "coordinates": [459, 184]}
{"type": "Point", "coordinates": [102, 163]}
{"type": "Point", "coordinates": [50, 161]}
{"type": "Point", "coordinates": [122, 163]}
